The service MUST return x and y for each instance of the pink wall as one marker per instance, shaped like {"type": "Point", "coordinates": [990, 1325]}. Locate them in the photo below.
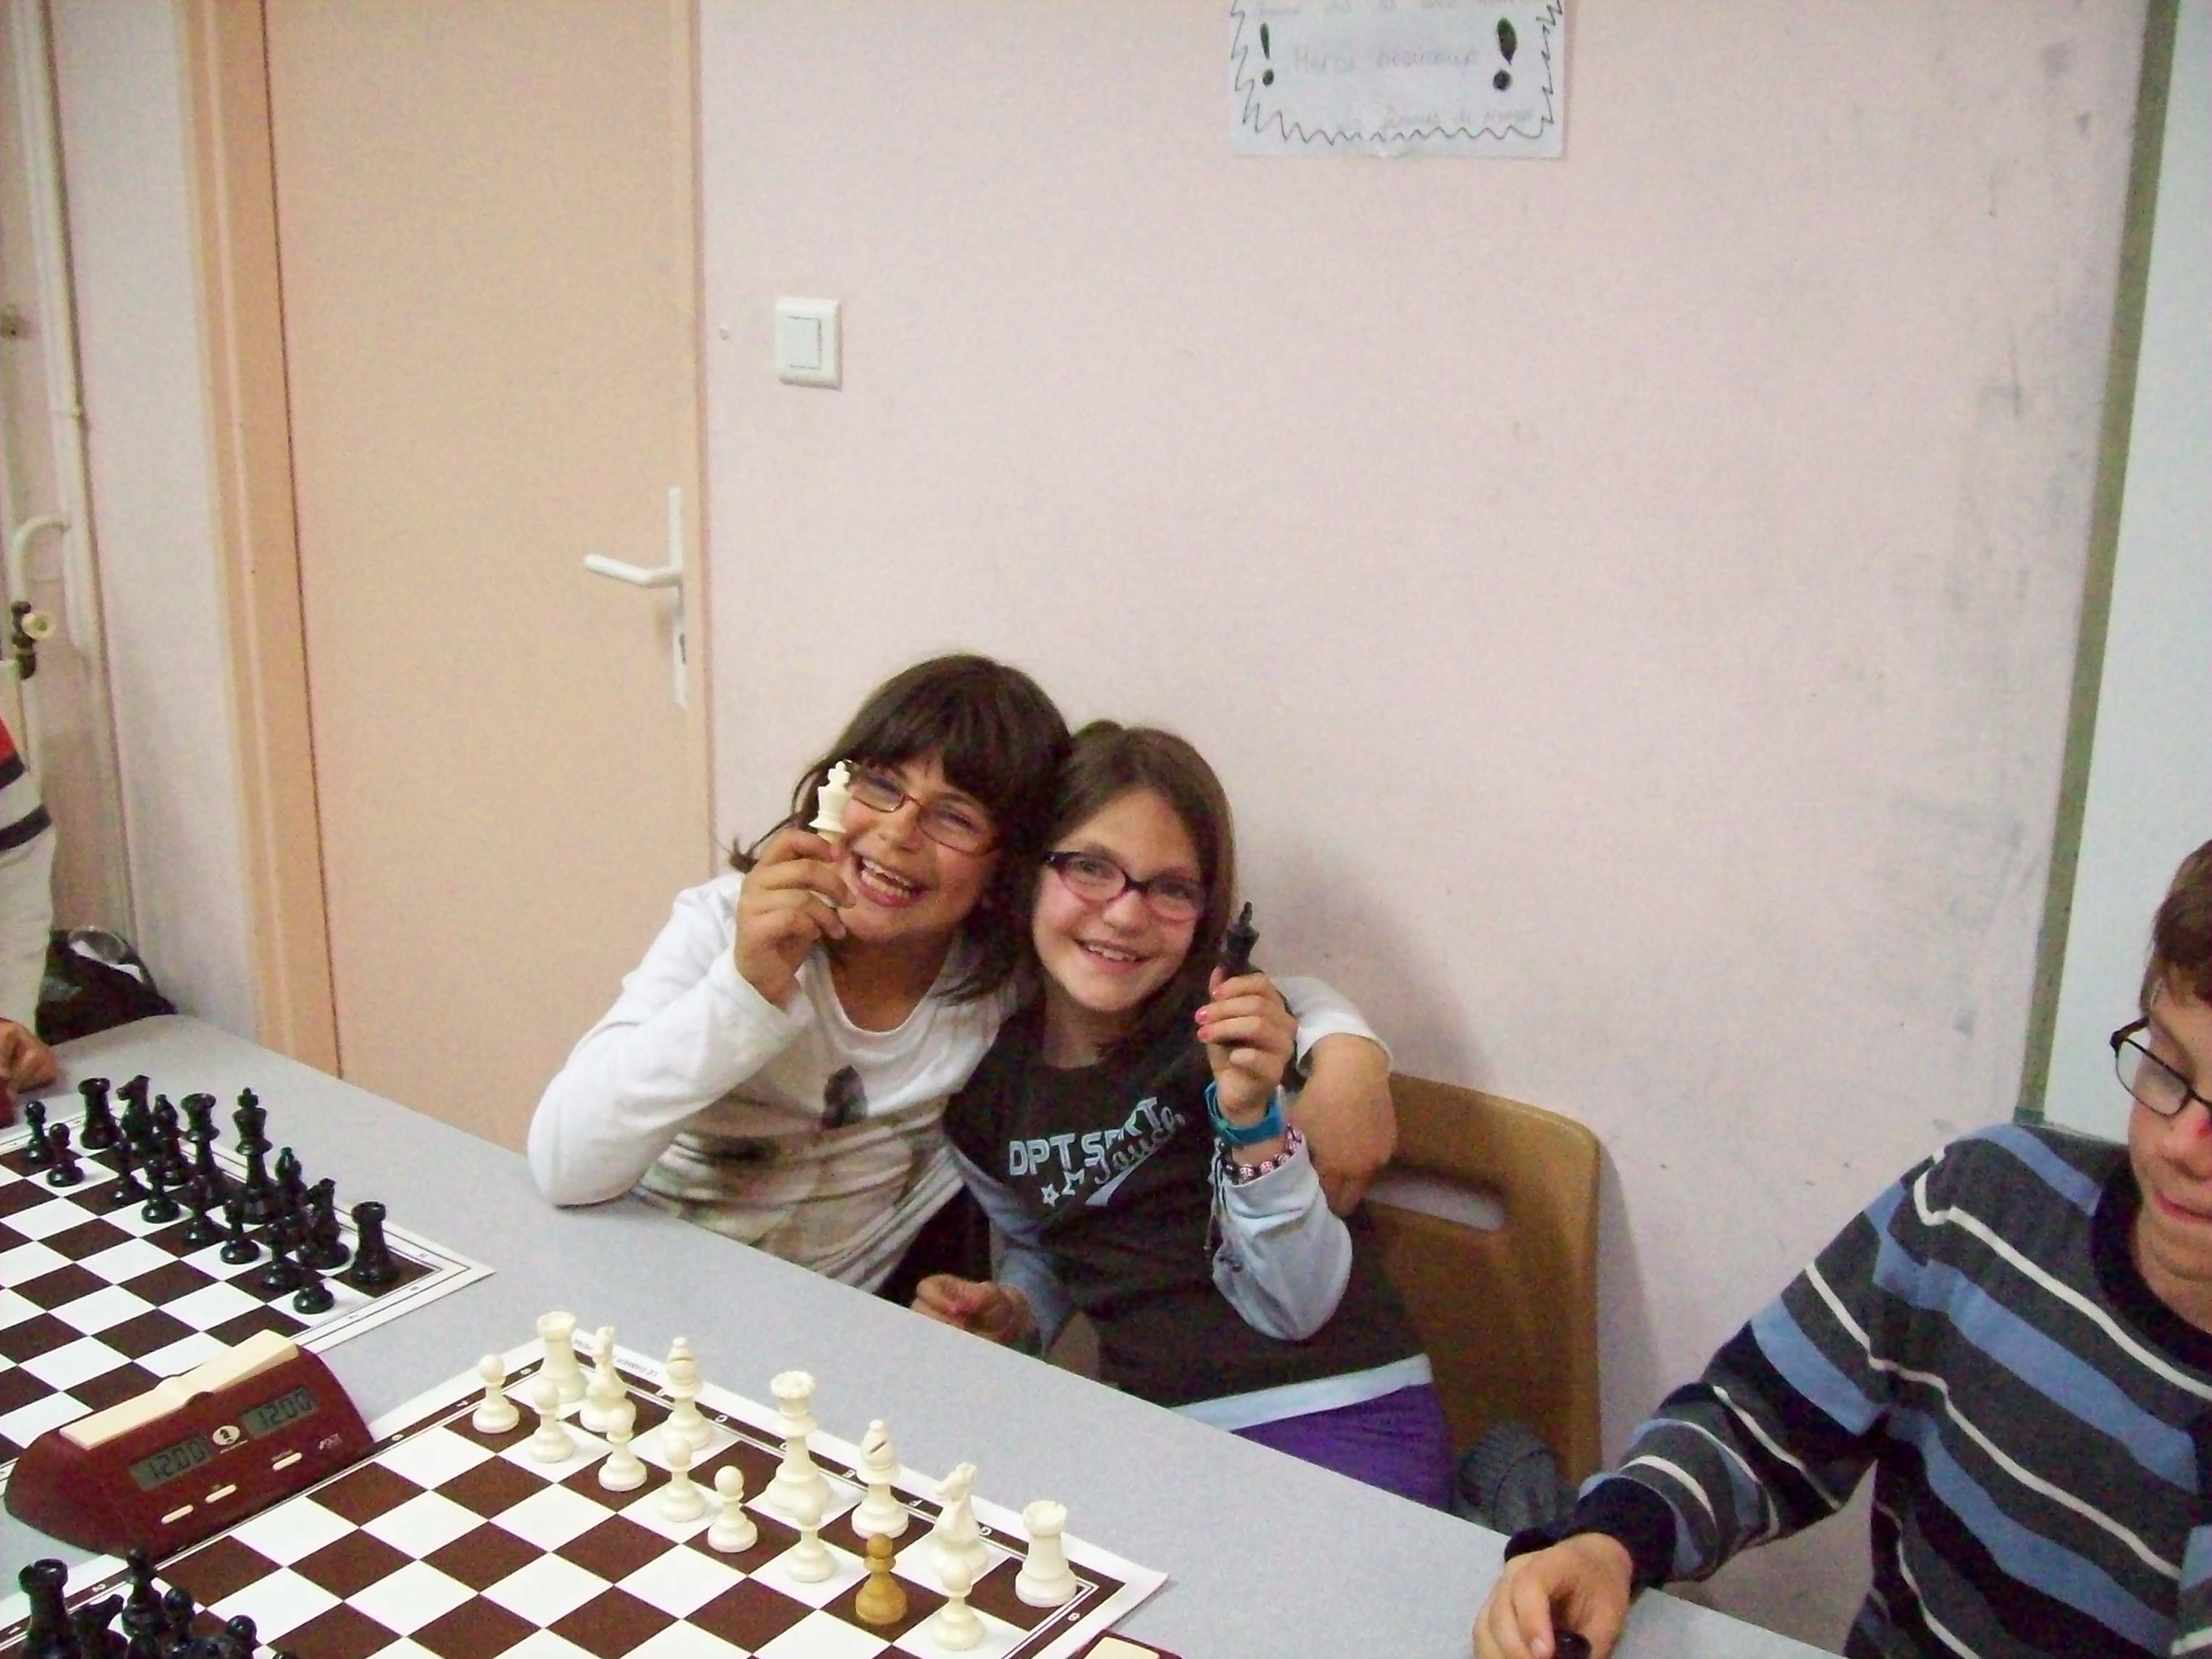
{"type": "Point", "coordinates": [1631, 598]}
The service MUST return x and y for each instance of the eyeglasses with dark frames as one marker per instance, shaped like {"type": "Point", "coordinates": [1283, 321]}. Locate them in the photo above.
{"type": "Point", "coordinates": [2153, 1083]}
{"type": "Point", "coordinates": [1096, 880]}
{"type": "Point", "coordinates": [950, 821]}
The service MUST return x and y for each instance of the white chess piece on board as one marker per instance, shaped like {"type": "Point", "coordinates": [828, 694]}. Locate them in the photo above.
{"type": "Point", "coordinates": [1046, 1580]}
{"type": "Point", "coordinates": [796, 1473]}
{"type": "Point", "coordinates": [809, 1560]}
{"type": "Point", "coordinates": [552, 1443]}
{"type": "Point", "coordinates": [954, 1625]}
{"type": "Point", "coordinates": [605, 1386]}
{"type": "Point", "coordinates": [683, 1421]}
{"type": "Point", "coordinates": [497, 1415]}
{"type": "Point", "coordinates": [623, 1469]}
{"type": "Point", "coordinates": [733, 1529]}
{"type": "Point", "coordinates": [880, 1514]}
{"type": "Point", "coordinates": [557, 1332]}
{"type": "Point", "coordinates": [956, 1538]}
{"type": "Point", "coordinates": [681, 1498]}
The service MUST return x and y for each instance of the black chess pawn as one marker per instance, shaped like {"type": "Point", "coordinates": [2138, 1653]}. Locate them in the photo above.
{"type": "Point", "coordinates": [242, 1630]}
{"type": "Point", "coordinates": [239, 1248]}
{"type": "Point", "coordinates": [282, 1274]}
{"type": "Point", "coordinates": [177, 1612]}
{"type": "Point", "coordinates": [162, 1206]}
{"type": "Point", "coordinates": [204, 1230]}
{"type": "Point", "coordinates": [99, 1131]}
{"type": "Point", "coordinates": [374, 1266]}
{"type": "Point", "coordinates": [127, 1189]}
{"type": "Point", "coordinates": [66, 1170]}
{"type": "Point", "coordinates": [37, 1155]}
{"type": "Point", "coordinates": [314, 1295]}
{"type": "Point", "coordinates": [48, 1635]}
{"type": "Point", "coordinates": [325, 1247]}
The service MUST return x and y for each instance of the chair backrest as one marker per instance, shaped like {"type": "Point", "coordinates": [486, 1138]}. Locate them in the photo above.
{"type": "Point", "coordinates": [1508, 1313]}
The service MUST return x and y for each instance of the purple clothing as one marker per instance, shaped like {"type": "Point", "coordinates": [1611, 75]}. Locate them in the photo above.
{"type": "Point", "coordinates": [1398, 1443]}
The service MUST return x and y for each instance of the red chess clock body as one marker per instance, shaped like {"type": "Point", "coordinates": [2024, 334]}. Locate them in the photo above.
{"type": "Point", "coordinates": [207, 1464]}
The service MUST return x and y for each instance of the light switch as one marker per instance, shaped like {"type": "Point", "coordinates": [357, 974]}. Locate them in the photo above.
{"type": "Point", "coordinates": [806, 341]}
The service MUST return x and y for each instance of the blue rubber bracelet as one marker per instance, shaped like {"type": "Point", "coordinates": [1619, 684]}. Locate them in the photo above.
{"type": "Point", "coordinates": [1269, 1125]}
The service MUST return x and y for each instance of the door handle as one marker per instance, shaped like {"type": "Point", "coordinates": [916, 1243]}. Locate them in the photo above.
{"type": "Point", "coordinates": [669, 574]}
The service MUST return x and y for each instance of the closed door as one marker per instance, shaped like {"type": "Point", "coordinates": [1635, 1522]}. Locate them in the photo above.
{"type": "Point", "coordinates": [485, 238]}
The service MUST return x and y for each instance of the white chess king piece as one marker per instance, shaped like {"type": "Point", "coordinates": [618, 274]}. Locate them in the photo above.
{"type": "Point", "coordinates": [497, 1415]}
{"type": "Point", "coordinates": [622, 1470]}
{"type": "Point", "coordinates": [552, 1443]}
{"type": "Point", "coordinates": [683, 1421]}
{"type": "Point", "coordinates": [880, 1514]}
{"type": "Point", "coordinates": [733, 1529]}
{"type": "Point", "coordinates": [681, 1498]}
{"type": "Point", "coordinates": [796, 1473]}
{"type": "Point", "coordinates": [1045, 1580]}
{"type": "Point", "coordinates": [809, 1560]}
{"type": "Point", "coordinates": [954, 1625]}
{"type": "Point", "coordinates": [829, 803]}
{"type": "Point", "coordinates": [557, 1332]}
{"type": "Point", "coordinates": [605, 1386]}
{"type": "Point", "coordinates": [956, 1538]}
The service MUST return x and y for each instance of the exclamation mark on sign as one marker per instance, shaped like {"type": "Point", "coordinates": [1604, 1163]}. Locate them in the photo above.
{"type": "Point", "coordinates": [1508, 44]}
{"type": "Point", "coordinates": [1268, 76]}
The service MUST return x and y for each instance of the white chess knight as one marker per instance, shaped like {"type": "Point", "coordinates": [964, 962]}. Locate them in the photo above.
{"type": "Point", "coordinates": [497, 1415]}
{"type": "Point", "coordinates": [605, 1387]}
{"type": "Point", "coordinates": [552, 1443]}
{"type": "Point", "coordinates": [880, 1513]}
{"type": "Point", "coordinates": [683, 1421]}
{"type": "Point", "coordinates": [557, 1332]}
{"type": "Point", "coordinates": [954, 1625]}
{"type": "Point", "coordinates": [1046, 1580]}
{"type": "Point", "coordinates": [796, 1477]}
{"type": "Point", "coordinates": [621, 1469]}
{"type": "Point", "coordinates": [957, 1542]}
{"type": "Point", "coordinates": [733, 1529]}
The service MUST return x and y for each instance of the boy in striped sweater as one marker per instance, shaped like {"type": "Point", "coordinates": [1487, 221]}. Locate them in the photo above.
{"type": "Point", "coordinates": [2016, 1338]}
{"type": "Point", "coordinates": [27, 911]}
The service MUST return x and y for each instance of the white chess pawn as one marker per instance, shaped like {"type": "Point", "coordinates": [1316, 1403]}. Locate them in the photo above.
{"type": "Point", "coordinates": [557, 1332]}
{"type": "Point", "coordinates": [552, 1443]}
{"type": "Point", "coordinates": [605, 1386]}
{"type": "Point", "coordinates": [681, 1498]}
{"type": "Point", "coordinates": [809, 1560]}
{"type": "Point", "coordinates": [623, 1470]}
{"type": "Point", "coordinates": [880, 1514]}
{"type": "Point", "coordinates": [733, 1529]}
{"type": "Point", "coordinates": [1046, 1580]}
{"type": "Point", "coordinates": [954, 1625]}
{"type": "Point", "coordinates": [796, 1473]}
{"type": "Point", "coordinates": [497, 1415]}
{"type": "Point", "coordinates": [956, 1537]}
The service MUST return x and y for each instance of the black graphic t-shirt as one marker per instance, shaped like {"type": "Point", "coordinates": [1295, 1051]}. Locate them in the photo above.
{"type": "Point", "coordinates": [1113, 1163]}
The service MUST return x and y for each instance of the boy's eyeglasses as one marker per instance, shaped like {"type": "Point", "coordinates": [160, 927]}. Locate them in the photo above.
{"type": "Point", "coordinates": [2156, 1084]}
{"type": "Point", "coordinates": [945, 819]}
{"type": "Point", "coordinates": [1097, 880]}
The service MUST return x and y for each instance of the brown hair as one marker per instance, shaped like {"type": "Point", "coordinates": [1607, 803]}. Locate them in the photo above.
{"type": "Point", "coordinates": [2181, 932]}
{"type": "Point", "coordinates": [1108, 760]}
{"type": "Point", "coordinates": [999, 738]}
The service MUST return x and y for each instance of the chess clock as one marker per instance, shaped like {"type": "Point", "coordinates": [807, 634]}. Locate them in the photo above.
{"type": "Point", "coordinates": [192, 1455]}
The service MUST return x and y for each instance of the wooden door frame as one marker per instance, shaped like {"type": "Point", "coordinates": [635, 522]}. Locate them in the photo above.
{"type": "Point", "coordinates": [232, 171]}
{"type": "Point", "coordinates": [231, 165]}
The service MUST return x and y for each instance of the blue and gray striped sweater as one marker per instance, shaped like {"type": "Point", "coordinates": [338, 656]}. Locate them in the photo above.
{"type": "Point", "coordinates": [2036, 1420]}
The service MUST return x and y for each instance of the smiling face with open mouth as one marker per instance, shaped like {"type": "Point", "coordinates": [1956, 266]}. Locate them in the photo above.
{"type": "Point", "coordinates": [907, 886]}
{"type": "Point", "coordinates": [1102, 963]}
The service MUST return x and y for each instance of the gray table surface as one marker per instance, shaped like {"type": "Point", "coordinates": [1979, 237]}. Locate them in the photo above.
{"type": "Point", "coordinates": [1265, 1556]}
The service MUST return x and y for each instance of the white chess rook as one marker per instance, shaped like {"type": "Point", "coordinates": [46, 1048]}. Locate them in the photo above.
{"type": "Point", "coordinates": [1045, 1580]}
{"type": "Point", "coordinates": [557, 1332]}
{"type": "Point", "coordinates": [733, 1529]}
{"type": "Point", "coordinates": [880, 1514]}
{"type": "Point", "coordinates": [497, 1415]}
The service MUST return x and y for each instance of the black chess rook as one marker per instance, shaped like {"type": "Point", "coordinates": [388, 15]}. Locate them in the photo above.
{"type": "Point", "coordinates": [48, 1635]}
{"type": "Point", "coordinates": [374, 1266]}
{"type": "Point", "coordinates": [99, 1127]}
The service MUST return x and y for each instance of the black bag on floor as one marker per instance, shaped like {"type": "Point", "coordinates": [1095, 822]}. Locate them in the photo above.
{"type": "Point", "coordinates": [94, 982]}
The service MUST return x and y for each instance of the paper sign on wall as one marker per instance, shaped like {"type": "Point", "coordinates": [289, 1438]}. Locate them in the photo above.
{"type": "Point", "coordinates": [1397, 77]}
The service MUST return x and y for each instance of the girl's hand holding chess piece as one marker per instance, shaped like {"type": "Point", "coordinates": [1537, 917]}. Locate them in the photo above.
{"type": "Point", "coordinates": [786, 906]}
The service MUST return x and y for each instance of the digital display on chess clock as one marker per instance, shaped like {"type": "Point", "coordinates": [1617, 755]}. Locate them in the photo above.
{"type": "Point", "coordinates": [281, 1412]}
{"type": "Point", "coordinates": [167, 1464]}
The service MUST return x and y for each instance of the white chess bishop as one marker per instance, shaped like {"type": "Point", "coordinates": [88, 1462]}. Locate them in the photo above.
{"type": "Point", "coordinates": [880, 1514]}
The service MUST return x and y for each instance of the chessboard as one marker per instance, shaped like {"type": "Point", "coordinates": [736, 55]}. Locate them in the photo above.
{"type": "Point", "coordinates": [98, 1303]}
{"type": "Point", "coordinates": [445, 1540]}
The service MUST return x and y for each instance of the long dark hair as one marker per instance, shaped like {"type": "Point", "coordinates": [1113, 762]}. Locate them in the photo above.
{"type": "Point", "coordinates": [999, 738]}
{"type": "Point", "coordinates": [1108, 760]}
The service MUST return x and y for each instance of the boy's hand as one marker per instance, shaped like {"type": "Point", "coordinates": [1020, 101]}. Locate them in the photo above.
{"type": "Point", "coordinates": [1583, 1584]}
{"type": "Point", "coordinates": [25, 1062]}
{"type": "Point", "coordinates": [985, 1307]}
{"type": "Point", "coordinates": [787, 903]}
{"type": "Point", "coordinates": [1248, 1034]}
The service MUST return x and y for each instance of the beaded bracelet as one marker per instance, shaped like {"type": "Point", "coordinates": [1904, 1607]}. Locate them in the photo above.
{"type": "Point", "coordinates": [1241, 1174]}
